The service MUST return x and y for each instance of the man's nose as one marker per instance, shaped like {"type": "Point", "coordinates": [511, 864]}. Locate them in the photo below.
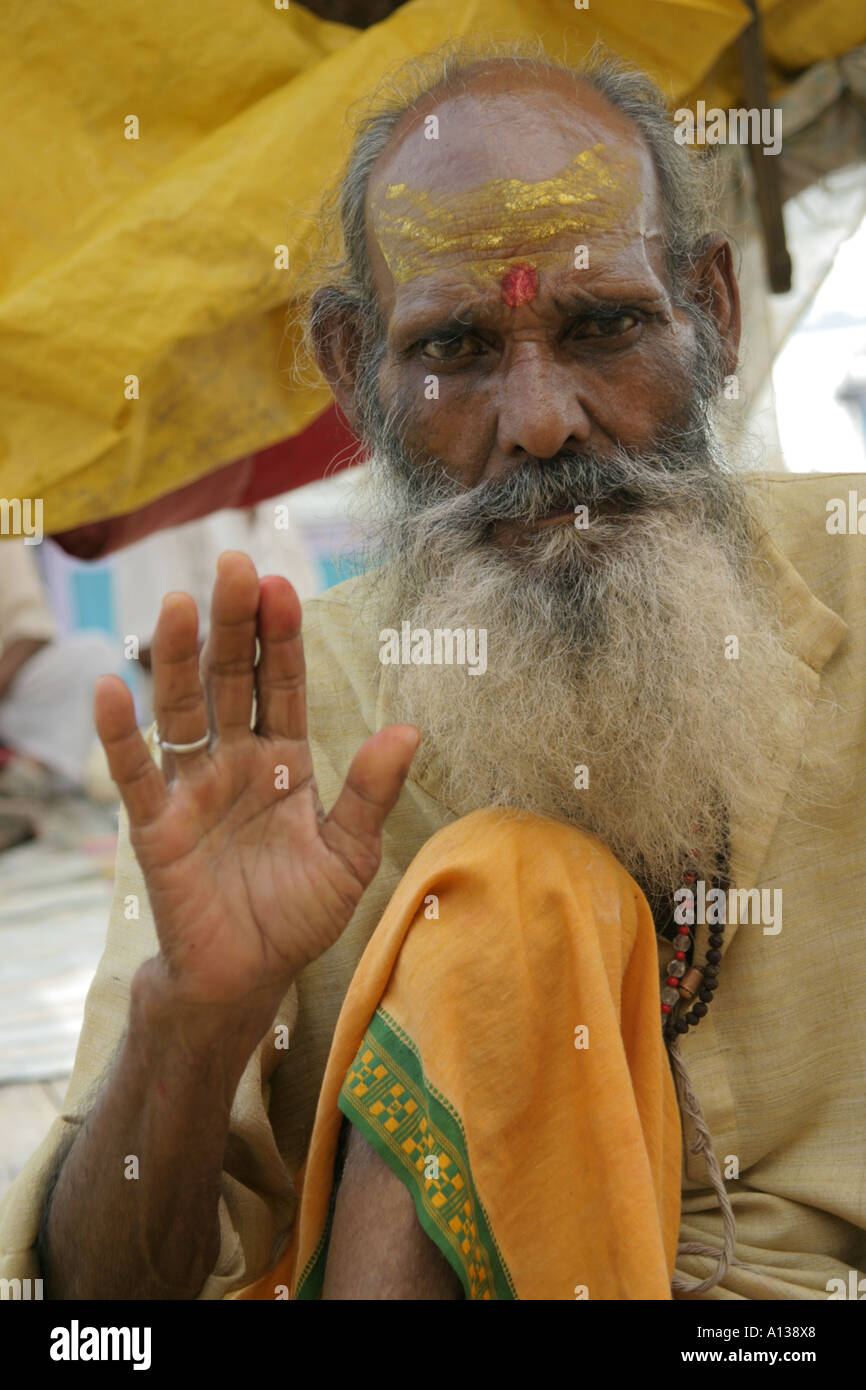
{"type": "Point", "coordinates": [540, 410]}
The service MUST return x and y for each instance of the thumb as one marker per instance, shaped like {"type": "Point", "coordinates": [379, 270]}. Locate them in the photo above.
{"type": "Point", "coordinates": [372, 786]}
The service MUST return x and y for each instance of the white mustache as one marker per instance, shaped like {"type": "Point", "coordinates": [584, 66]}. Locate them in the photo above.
{"type": "Point", "coordinates": [624, 483]}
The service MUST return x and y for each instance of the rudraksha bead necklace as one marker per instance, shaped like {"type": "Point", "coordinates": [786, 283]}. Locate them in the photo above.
{"type": "Point", "coordinates": [684, 981]}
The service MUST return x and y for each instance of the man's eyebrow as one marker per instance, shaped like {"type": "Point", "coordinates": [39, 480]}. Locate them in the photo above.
{"type": "Point", "coordinates": [586, 304]}
{"type": "Point", "coordinates": [441, 318]}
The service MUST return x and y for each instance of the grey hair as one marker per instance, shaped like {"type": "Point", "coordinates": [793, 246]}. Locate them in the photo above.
{"type": "Point", "coordinates": [687, 180]}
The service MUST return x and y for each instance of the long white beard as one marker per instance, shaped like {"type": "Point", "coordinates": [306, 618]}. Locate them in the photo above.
{"type": "Point", "coordinates": [630, 686]}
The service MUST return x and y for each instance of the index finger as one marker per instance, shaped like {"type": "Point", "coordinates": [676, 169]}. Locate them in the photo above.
{"type": "Point", "coordinates": [138, 779]}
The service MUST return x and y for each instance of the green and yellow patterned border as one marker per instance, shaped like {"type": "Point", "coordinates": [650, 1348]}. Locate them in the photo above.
{"type": "Point", "coordinates": [420, 1136]}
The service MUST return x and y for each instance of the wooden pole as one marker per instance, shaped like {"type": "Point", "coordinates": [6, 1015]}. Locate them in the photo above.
{"type": "Point", "coordinates": [765, 167]}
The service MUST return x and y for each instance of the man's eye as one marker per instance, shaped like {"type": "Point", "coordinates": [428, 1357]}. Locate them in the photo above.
{"type": "Point", "coordinates": [605, 327]}
{"type": "Point", "coordinates": [450, 349]}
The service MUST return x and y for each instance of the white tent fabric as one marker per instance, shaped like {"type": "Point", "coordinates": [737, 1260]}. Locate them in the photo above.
{"type": "Point", "coordinates": [823, 174]}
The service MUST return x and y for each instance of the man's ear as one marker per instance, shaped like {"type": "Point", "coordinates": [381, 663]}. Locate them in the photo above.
{"type": "Point", "coordinates": [713, 284]}
{"type": "Point", "coordinates": [336, 334]}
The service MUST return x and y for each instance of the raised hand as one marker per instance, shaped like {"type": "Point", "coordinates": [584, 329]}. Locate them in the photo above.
{"type": "Point", "coordinates": [248, 878]}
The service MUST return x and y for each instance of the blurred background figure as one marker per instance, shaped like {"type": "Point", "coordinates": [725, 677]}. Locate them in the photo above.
{"type": "Point", "coordinates": [46, 685]}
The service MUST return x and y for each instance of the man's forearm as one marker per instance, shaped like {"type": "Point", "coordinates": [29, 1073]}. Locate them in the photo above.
{"type": "Point", "coordinates": [134, 1210]}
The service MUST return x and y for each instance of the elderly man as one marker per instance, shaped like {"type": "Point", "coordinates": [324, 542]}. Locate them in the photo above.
{"type": "Point", "coordinates": [417, 1045]}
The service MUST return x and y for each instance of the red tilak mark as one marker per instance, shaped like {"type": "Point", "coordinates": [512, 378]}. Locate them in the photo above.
{"type": "Point", "coordinates": [519, 285]}
{"type": "Point", "coordinates": [160, 1086]}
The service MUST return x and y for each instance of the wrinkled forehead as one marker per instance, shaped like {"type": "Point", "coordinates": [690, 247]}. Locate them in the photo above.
{"type": "Point", "coordinates": [475, 186]}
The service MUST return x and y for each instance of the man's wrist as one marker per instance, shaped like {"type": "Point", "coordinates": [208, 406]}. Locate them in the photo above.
{"type": "Point", "coordinates": [195, 1040]}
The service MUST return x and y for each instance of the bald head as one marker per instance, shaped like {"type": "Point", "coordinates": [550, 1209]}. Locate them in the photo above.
{"type": "Point", "coordinates": [501, 119]}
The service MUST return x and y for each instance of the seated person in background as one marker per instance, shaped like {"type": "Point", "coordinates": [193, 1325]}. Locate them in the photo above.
{"type": "Point", "coordinates": [46, 684]}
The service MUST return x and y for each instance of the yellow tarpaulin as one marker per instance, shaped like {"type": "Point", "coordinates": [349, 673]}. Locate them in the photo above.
{"type": "Point", "coordinates": [154, 257]}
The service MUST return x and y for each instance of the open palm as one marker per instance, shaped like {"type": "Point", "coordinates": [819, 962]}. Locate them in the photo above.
{"type": "Point", "coordinates": [248, 878]}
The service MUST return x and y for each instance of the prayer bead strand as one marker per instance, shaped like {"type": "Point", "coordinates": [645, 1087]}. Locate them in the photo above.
{"type": "Point", "coordinates": [683, 982]}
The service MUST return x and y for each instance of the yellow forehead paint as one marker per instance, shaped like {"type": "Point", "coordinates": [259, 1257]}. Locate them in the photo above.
{"type": "Point", "coordinates": [591, 194]}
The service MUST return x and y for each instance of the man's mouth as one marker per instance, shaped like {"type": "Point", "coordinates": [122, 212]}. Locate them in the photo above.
{"type": "Point", "coordinates": [516, 527]}
{"type": "Point", "coordinates": [555, 517]}
{"type": "Point", "coordinates": [577, 515]}
{"type": "Point", "coordinates": [581, 517]}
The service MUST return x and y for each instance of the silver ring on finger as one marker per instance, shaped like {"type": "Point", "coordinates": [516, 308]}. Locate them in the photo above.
{"type": "Point", "coordinates": [182, 747]}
